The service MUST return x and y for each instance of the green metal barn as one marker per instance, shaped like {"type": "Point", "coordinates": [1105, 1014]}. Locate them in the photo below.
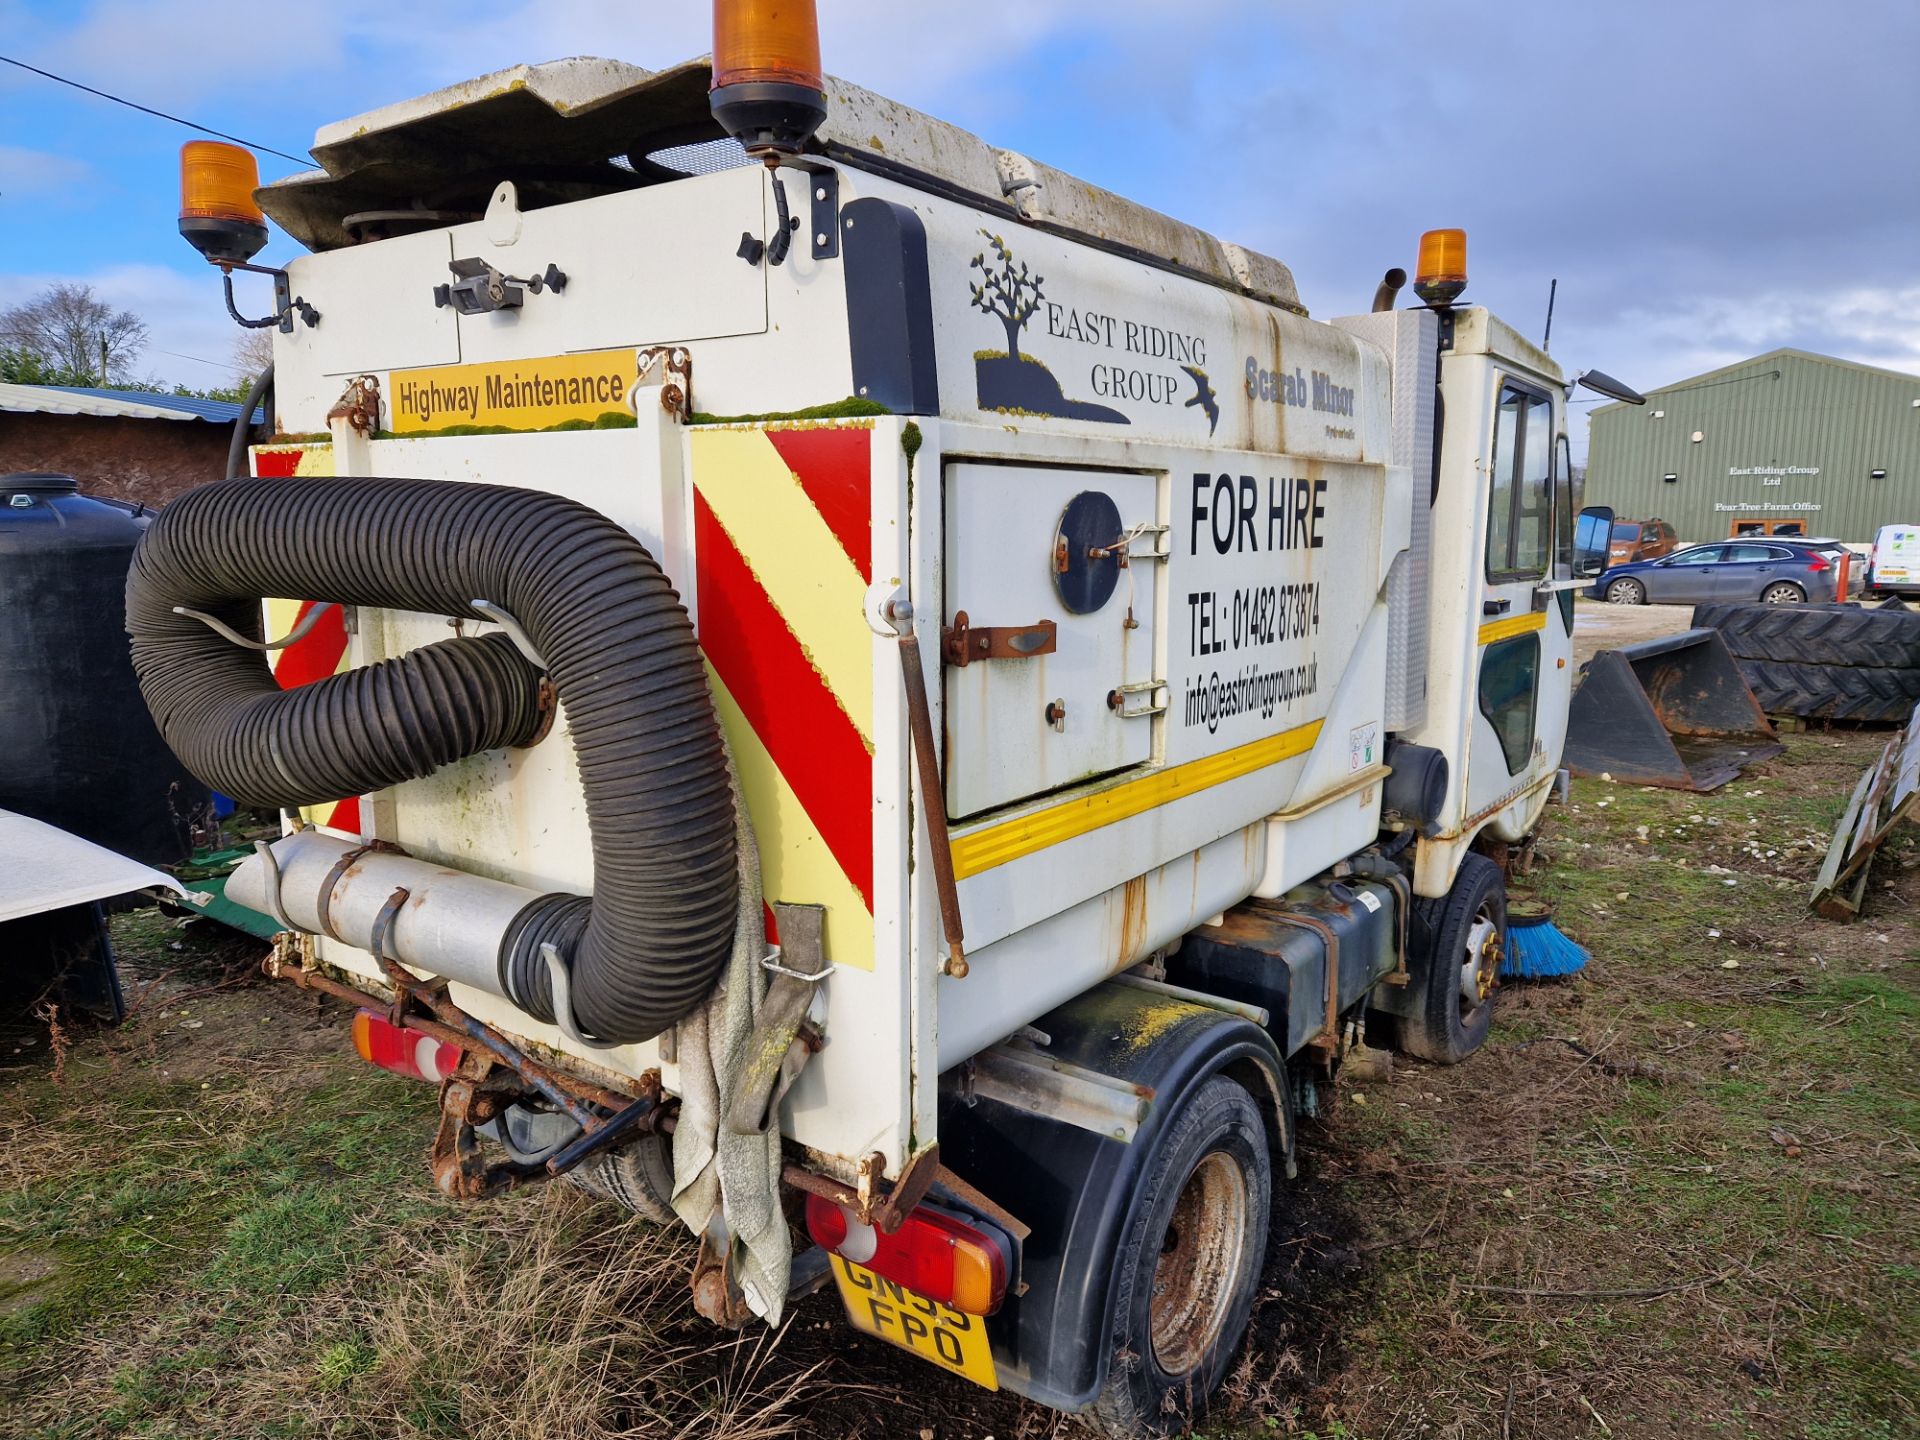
{"type": "Point", "coordinates": [1787, 442]}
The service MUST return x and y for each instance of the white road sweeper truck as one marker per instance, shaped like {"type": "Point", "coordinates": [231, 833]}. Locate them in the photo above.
{"type": "Point", "coordinates": [845, 688]}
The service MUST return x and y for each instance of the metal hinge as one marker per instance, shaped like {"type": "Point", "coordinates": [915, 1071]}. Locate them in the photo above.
{"type": "Point", "coordinates": [961, 643]}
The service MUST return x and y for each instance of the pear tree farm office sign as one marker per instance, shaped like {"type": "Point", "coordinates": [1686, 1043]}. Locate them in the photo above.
{"type": "Point", "coordinates": [1768, 475]}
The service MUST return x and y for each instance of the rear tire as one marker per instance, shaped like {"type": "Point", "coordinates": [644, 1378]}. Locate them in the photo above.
{"type": "Point", "coordinates": [1455, 946]}
{"type": "Point", "coordinates": [637, 1176]}
{"type": "Point", "coordinates": [1783, 592]}
{"type": "Point", "coordinates": [1189, 1264]}
{"type": "Point", "coordinates": [1626, 591]}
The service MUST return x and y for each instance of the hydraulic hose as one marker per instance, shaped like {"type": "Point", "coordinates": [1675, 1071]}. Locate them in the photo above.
{"type": "Point", "coordinates": [260, 390]}
{"type": "Point", "coordinates": [649, 944]}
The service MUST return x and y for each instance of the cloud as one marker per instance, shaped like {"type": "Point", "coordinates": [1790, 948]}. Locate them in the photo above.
{"type": "Point", "coordinates": [1704, 180]}
{"type": "Point", "coordinates": [1875, 326]}
{"type": "Point", "coordinates": [37, 173]}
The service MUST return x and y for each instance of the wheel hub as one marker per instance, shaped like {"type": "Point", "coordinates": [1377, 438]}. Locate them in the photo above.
{"type": "Point", "coordinates": [1199, 1267]}
{"type": "Point", "coordinates": [1480, 966]}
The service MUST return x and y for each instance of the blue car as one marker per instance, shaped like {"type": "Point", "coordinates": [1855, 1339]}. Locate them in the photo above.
{"type": "Point", "coordinates": [1771, 571]}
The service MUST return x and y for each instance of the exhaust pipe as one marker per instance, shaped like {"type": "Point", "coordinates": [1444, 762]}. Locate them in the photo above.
{"type": "Point", "coordinates": [1389, 289]}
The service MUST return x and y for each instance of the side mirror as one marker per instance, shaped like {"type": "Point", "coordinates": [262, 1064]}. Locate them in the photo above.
{"type": "Point", "coordinates": [1590, 537]}
{"type": "Point", "coordinates": [1602, 383]}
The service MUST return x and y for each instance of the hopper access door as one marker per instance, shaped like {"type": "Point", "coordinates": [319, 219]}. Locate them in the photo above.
{"type": "Point", "coordinates": [1048, 630]}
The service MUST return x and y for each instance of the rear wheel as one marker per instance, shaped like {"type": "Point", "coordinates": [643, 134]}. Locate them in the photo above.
{"type": "Point", "coordinates": [1625, 591]}
{"type": "Point", "coordinates": [1783, 592]}
{"type": "Point", "coordinates": [1455, 945]}
{"type": "Point", "coordinates": [638, 1176]}
{"type": "Point", "coordinates": [1189, 1263]}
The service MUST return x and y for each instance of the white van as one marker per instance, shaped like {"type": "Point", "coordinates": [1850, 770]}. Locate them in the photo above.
{"type": "Point", "coordinates": [1896, 561]}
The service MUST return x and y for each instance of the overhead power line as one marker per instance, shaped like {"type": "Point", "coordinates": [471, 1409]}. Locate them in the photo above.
{"type": "Point", "coordinates": [149, 110]}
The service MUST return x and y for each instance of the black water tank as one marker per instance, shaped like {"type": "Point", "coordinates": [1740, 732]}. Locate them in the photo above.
{"type": "Point", "coordinates": [77, 746]}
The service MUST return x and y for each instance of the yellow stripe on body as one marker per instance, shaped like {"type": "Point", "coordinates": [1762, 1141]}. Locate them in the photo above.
{"type": "Point", "coordinates": [795, 557]}
{"type": "Point", "coordinates": [1512, 625]}
{"type": "Point", "coordinates": [795, 863]}
{"type": "Point", "coordinates": [1009, 840]}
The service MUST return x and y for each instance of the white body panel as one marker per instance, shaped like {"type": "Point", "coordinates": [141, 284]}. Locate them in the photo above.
{"type": "Point", "coordinates": [1254, 445]}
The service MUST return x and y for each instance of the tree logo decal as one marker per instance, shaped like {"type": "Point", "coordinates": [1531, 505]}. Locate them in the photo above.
{"type": "Point", "coordinates": [1010, 296]}
{"type": "Point", "coordinates": [1006, 380]}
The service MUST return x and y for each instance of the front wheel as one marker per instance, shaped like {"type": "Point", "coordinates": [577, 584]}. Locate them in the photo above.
{"type": "Point", "coordinates": [1455, 945]}
{"type": "Point", "coordinates": [1783, 592]}
{"type": "Point", "coordinates": [1626, 592]}
{"type": "Point", "coordinates": [1189, 1264]}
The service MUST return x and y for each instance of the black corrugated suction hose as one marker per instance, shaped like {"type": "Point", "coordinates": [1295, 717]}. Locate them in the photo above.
{"type": "Point", "coordinates": [619, 648]}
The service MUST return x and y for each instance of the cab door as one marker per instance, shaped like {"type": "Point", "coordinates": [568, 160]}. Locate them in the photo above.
{"type": "Point", "coordinates": [1523, 633]}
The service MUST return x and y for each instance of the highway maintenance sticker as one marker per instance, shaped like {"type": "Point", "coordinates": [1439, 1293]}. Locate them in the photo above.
{"type": "Point", "coordinates": [514, 394]}
{"type": "Point", "coordinates": [950, 1338]}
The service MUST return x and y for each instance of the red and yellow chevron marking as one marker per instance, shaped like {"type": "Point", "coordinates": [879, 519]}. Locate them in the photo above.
{"type": "Point", "coordinates": [783, 555]}
{"type": "Point", "coordinates": [322, 651]}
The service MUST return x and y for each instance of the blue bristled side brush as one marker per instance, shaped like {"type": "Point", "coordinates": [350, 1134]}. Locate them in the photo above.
{"type": "Point", "coordinates": [1536, 950]}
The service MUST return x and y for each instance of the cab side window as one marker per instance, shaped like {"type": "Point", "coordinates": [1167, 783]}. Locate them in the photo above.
{"type": "Point", "coordinates": [1520, 505]}
{"type": "Point", "coordinates": [1510, 695]}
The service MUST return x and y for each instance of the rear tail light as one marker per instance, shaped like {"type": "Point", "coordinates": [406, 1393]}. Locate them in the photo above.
{"type": "Point", "coordinates": [934, 1253]}
{"type": "Point", "coordinates": [1819, 563]}
{"type": "Point", "coordinates": [404, 1052]}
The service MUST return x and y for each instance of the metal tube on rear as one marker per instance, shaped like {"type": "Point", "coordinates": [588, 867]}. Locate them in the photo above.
{"type": "Point", "coordinates": [451, 925]}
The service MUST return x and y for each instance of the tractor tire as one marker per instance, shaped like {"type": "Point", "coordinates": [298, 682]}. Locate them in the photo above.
{"type": "Point", "coordinates": [1816, 635]}
{"type": "Point", "coordinates": [1833, 692]}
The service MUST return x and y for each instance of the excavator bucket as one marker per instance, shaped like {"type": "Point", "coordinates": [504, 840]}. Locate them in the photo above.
{"type": "Point", "coordinates": [1674, 712]}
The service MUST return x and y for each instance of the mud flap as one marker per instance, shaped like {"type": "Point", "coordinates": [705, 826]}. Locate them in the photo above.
{"type": "Point", "coordinates": [1674, 712]}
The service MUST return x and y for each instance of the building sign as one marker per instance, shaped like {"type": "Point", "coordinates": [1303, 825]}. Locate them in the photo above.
{"type": "Point", "coordinates": [1747, 507]}
{"type": "Point", "coordinates": [1774, 470]}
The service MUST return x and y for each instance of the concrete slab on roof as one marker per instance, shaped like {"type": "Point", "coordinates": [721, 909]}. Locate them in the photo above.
{"type": "Point", "coordinates": [586, 125]}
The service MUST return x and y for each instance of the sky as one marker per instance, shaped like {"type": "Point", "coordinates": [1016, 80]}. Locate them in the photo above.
{"type": "Point", "coordinates": [1707, 179]}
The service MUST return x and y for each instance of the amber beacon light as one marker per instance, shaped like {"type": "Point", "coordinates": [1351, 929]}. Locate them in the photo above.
{"type": "Point", "coordinates": [767, 88]}
{"type": "Point", "coordinates": [217, 210]}
{"type": "Point", "coordinates": [1442, 273]}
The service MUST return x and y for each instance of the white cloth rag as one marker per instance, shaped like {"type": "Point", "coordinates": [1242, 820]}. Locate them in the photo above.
{"type": "Point", "coordinates": [726, 1183]}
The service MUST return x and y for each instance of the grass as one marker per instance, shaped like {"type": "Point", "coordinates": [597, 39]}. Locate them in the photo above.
{"type": "Point", "coordinates": [229, 1230]}
{"type": "Point", "coordinates": [219, 1223]}
{"type": "Point", "coordinates": [1753, 1146]}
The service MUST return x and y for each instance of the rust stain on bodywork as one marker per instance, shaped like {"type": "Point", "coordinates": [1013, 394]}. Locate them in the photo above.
{"type": "Point", "coordinates": [1133, 919]}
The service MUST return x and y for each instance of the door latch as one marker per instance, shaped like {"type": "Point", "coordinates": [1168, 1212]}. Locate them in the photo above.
{"type": "Point", "coordinates": [961, 643]}
{"type": "Point", "coordinates": [1138, 699]}
{"type": "Point", "coordinates": [479, 289]}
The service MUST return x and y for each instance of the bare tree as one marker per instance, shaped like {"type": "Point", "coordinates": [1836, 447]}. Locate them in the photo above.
{"type": "Point", "coordinates": [1010, 296]}
{"type": "Point", "coordinates": [71, 330]}
{"type": "Point", "coordinates": [252, 353]}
